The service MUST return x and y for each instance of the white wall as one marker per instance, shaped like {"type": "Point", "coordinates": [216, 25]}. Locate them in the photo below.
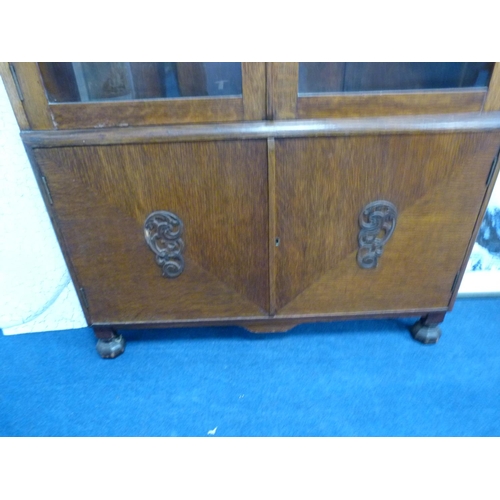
{"type": "Point", "coordinates": [36, 292]}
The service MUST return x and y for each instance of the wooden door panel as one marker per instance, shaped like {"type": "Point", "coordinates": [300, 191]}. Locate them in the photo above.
{"type": "Point", "coordinates": [437, 183]}
{"type": "Point", "coordinates": [102, 196]}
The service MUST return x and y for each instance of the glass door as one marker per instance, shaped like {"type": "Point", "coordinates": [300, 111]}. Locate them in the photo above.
{"type": "Point", "coordinates": [90, 81]}
{"type": "Point", "coordinates": [107, 94]}
{"type": "Point", "coordinates": [355, 89]}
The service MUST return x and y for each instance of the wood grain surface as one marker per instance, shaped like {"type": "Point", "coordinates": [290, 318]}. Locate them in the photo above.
{"type": "Point", "coordinates": [282, 88]}
{"type": "Point", "coordinates": [273, 241]}
{"type": "Point", "coordinates": [254, 90]}
{"type": "Point", "coordinates": [437, 183]}
{"type": "Point", "coordinates": [102, 196]}
{"type": "Point", "coordinates": [14, 96]}
{"type": "Point", "coordinates": [263, 130]}
{"type": "Point", "coordinates": [35, 101]}
{"type": "Point", "coordinates": [492, 102]}
{"type": "Point", "coordinates": [147, 112]}
{"type": "Point", "coordinates": [390, 104]}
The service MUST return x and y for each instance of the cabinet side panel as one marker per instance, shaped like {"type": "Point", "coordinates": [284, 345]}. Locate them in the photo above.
{"type": "Point", "coordinates": [14, 97]}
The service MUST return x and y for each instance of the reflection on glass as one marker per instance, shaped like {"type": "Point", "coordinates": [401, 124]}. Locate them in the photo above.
{"type": "Point", "coordinates": [111, 81]}
{"type": "Point", "coordinates": [367, 77]}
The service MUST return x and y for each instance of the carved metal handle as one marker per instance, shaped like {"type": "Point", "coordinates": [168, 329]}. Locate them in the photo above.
{"type": "Point", "coordinates": [163, 231]}
{"type": "Point", "coordinates": [377, 221]}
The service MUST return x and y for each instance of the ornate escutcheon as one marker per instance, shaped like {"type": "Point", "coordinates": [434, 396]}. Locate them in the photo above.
{"type": "Point", "coordinates": [377, 221]}
{"type": "Point", "coordinates": [163, 231]}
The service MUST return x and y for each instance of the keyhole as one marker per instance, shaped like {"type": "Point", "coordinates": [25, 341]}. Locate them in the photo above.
{"type": "Point", "coordinates": [277, 242]}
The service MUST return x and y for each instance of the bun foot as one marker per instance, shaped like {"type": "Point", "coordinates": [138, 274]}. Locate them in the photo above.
{"type": "Point", "coordinates": [109, 344]}
{"type": "Point", "coordinates": [426, 329]}
{"type": "Point", "coordinates": [425, 334]}
{"type": "Point", "coordinates": [109, 349]}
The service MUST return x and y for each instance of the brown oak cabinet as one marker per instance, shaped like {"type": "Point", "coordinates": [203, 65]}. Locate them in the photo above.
{"type": "Point", "coordinates": [261, 194]}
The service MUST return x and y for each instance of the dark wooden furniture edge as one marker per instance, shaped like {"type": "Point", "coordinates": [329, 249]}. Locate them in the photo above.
{"type": "Point", "coordinates": [282, 80]}
{"type": "Point", "coordinates": [111, 344]}
{"type": "Point", "coordinates": [34, 100]}
{"type": "Point", "coordinates": [249, 320]}
{"type": "Point", "coordinates": [273, 241]}
{"type": "Point", "coordinates": [136, 113]}
{"type": "Point", "coordinates": [390, 103]}
{"type": "Point", "coordinates": [469, 122]}
{"type": "Point", "coordinates": [11, 86]}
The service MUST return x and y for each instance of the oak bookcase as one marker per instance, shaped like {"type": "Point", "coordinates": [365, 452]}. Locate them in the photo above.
{"type": "Point", "coordinates": [261, 194]}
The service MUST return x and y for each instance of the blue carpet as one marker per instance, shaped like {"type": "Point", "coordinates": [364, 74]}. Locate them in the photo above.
{"type": "Point", "coordinates": [359, 378]}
